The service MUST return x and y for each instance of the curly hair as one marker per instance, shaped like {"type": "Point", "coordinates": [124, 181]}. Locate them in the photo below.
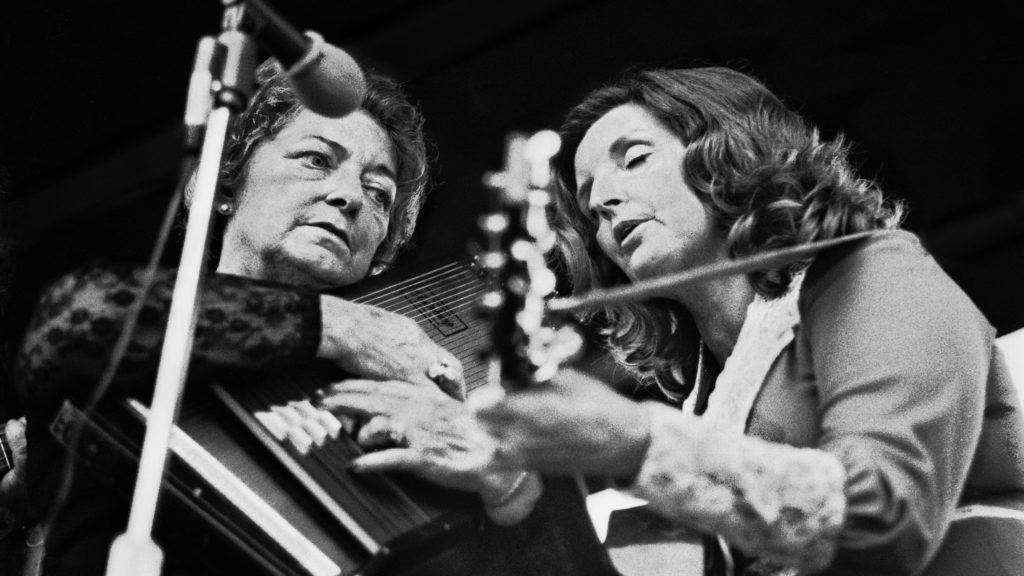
{"type": "Point", "coordinates": [764, 174]}
{"type": "Point", "coordinates": [275, 104]}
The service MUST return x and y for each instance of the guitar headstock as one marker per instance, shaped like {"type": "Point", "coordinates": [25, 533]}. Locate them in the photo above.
{"type": "Point", "coordinates": [527, 347]}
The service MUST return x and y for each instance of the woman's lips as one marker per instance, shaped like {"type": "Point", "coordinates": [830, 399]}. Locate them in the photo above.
{"type": "Point", "coordinates": [625, 233]}
{"type": "Point", "coordinates": [632, 239]}
{"type": "Point", "coordinates": [334, 231]}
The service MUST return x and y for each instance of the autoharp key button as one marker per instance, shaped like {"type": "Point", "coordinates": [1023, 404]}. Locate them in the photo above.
{"type": "Point", "coordinates": [328, 421]}
{"type": "Point", "coordinates": [317, 432]}
{"type": "Point", "coordinates": [289, 413]}
{"type": "Point", "coordinates": [274, 424]}
{"type": "Point", "coordinates": [304, 407]}
{"type": "Point", "coordinates": [300, 439]}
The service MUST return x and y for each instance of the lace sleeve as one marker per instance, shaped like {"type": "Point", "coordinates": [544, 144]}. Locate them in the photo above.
{"type": "Point", "coordinates": [241, 322]}
{"type": "Point", "coordinates": [780, 503]}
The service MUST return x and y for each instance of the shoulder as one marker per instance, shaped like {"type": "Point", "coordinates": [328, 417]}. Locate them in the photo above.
{"type": "Point", "coordinates": [890, 260]}
{"type": "Point", "coordinates": [887, 278]}
{"type": "Point", "coordinates": [885, 251]}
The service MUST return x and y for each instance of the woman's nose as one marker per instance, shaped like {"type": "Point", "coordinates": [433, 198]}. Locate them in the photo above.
{"type": "Point", "coordinates": [346, 194]}
{"type": "Point", "coordinates": [605, 194]}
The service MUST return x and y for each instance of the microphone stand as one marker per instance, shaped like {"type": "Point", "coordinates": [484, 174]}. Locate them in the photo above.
{"type": "Point", "coordinates": [134, 553]}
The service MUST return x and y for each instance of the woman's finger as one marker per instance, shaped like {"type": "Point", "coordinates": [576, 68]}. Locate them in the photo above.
{"type": "Point", "coordinates": [365, 397]}
{"type": "Point", "coordinates": [375, 433]}
{"type": "Point", "coordinates": [392, 459]}
{"type": "Point", "coordinates": [15, 430]}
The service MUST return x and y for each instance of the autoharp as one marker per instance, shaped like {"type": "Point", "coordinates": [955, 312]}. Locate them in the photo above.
{"type": "Point", "coordinates": [287, 503]}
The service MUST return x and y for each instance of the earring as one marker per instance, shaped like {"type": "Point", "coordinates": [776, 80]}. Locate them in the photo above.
{"type": "Point", "coordinates": [225, 208]}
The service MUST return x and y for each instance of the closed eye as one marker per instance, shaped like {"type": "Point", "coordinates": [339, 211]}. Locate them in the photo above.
{"type": "Point", "coordinates": [636, 155]}
{"type": "Point", "coordinates": [636, 161]}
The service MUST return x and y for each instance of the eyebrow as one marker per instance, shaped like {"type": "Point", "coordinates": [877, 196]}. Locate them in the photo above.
{"type": "Point", "coordinates": [341, 150]}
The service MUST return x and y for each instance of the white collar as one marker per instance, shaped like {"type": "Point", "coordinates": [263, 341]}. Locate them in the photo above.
{"type": "Point", "coordinates": [766, 331]}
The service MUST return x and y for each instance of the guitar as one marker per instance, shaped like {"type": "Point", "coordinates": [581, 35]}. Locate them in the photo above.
{"type": "Point", "coordinates": [527, 348]}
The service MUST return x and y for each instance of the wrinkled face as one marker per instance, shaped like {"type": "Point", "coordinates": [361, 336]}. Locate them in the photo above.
{"type": "Point", "coordinates": [315, 203]}
{"type": "Point", "coordinates": [630, 180]}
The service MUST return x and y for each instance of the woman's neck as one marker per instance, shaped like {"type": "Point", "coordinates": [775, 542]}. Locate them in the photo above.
{"type": "Point", "coordinates": [719, 309]}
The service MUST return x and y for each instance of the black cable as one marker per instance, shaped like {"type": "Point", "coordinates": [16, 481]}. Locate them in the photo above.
{"type": "Point", "coordinates": [188, 166]}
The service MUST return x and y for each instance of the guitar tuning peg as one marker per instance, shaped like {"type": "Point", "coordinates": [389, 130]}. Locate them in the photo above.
{"type": "Point", "coordinates": [540, 148]}
{"type": "Point", "coordinates": [491, 301]}
{"type": "Point", "coordinates": [492, 260]}
{"type": "Point", "coordinates": [495, 179]}
{"type": "Point", "coordinates": [495, 223]}
{"type": "Point", "coordinates": [551, 348]}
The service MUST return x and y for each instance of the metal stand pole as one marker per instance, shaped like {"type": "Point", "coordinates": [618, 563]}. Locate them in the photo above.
{"type": "Point", "coordinates": [134, 553]}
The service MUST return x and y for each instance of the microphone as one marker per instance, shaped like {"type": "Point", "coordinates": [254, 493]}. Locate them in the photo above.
{"type": "Point", "coordinates": [327, 80]}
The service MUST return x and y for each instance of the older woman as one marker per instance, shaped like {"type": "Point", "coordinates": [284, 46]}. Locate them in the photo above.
{"type": "Point", "coordinates": [308, 203]}
{"type": "Point", "coordinates": [841, 415]}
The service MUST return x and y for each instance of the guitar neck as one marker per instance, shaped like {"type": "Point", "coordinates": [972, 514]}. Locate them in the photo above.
{"type": "Point", "coordinates": [6, 455]}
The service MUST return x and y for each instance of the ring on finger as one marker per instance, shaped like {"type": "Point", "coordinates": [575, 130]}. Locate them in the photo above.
{"type": "Point", "coordinates": [396, 434]}
{"type": "Point", "coordinates": [441, 372]}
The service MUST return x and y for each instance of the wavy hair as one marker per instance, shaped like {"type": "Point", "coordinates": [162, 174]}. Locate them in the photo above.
{"type": "Point", "coordinates": [275, 104]}
{"type": "Point", "coordinates": [763, 173]}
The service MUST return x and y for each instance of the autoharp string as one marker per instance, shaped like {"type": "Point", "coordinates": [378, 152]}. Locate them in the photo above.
{"type": "Point", "coordinates": [457, 288]}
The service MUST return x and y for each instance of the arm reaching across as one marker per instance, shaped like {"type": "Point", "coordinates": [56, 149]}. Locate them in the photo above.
{"type": "Point", "coordinates": [242, 323]}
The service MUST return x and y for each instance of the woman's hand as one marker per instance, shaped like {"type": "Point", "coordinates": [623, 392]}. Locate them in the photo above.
{"type": "Point", "coordinates": [572, 424]}
{"type": "Point", "coordinates": [373, 343]}
{"type": "Point", "coordinates": [13, 487]}
{"type": "Point", "coordinates": [418, 429]}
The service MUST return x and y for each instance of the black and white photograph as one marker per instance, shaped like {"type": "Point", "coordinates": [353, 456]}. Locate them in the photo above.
{"type": "Point", "coordinates": [541, 288]}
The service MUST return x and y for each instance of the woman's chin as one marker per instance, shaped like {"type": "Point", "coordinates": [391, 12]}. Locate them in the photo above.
{"type": "Point", "coordinates": [305, 266]}
{"type": "Point", "coordinates": [325, 273]}
{"type": "Point", "coordinates": [639, 269]}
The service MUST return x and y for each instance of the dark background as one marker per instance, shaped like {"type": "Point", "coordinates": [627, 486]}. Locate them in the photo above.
{"type": "Point", "coordinates": [928, 91]}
